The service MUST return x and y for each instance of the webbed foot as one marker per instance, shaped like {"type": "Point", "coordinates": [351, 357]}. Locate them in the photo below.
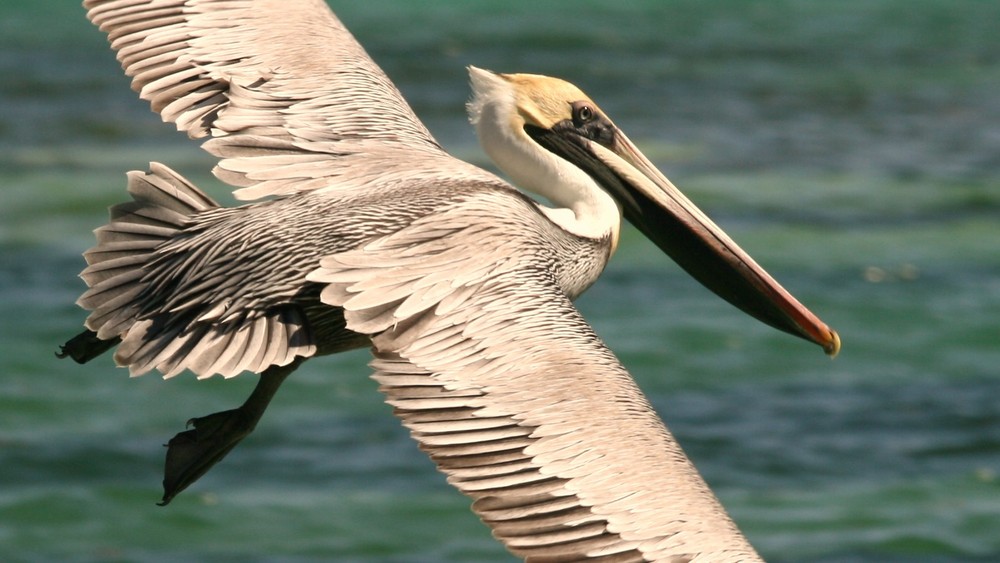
{"type": "Point", "coordinates": [190, 454]}
{"type": "Point", "coordinates": [85, 347]}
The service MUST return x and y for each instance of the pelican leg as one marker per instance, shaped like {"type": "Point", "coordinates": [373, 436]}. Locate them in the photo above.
{"type": "Point", "coordinates": [190, 454]}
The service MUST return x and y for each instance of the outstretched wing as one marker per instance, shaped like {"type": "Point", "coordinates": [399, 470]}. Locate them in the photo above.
{"type": "Point", "coordinates": [289, 97]}
{"type": "Point", "coordinates": [515, 398]}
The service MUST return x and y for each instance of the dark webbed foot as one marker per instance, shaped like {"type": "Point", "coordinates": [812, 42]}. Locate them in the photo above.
{"type": "Point", "coordinates": [190, 454]}
{"type": "Point", "coordinates": [85, 347]}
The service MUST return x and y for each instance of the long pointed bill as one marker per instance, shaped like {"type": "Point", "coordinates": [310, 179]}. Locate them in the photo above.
{"type": "Point", "coordinates": [668, 218]}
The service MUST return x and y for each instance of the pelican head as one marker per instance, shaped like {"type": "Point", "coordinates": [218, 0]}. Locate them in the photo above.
{"type": "Point", "coordinates": [553, 140]}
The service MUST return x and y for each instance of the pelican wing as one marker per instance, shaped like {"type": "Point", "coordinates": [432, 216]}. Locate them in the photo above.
{"type": "Point", "coordinates": [289, 97]}
{"type": "Point", "coordinates": [511, 393]}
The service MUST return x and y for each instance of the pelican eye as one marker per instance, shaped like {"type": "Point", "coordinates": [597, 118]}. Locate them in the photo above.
{"type": "Point", "coordinates": [587, 122]}
{"type": "Point", "coordinates": [582, 114]}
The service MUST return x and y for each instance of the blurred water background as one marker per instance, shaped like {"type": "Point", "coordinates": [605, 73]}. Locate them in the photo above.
{"type": "Point", "coordinates": [852, 147]}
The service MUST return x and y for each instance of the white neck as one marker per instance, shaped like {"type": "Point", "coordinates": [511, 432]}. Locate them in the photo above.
{"type": "Point", "coordinates": [581, 206]}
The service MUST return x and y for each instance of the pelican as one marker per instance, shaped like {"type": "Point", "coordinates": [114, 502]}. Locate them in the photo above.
{"type": "Point", "coordinates": [363, 231]}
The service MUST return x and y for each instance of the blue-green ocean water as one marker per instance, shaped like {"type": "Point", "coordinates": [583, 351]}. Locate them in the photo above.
{"type": "Point", "coordinates": [852, 147]}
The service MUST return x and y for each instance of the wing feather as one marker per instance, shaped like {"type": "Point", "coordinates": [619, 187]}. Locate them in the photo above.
{"type": "Point", "coordinates": [267, 79]}
{"type": "Point", "coordinates": [515, 398]}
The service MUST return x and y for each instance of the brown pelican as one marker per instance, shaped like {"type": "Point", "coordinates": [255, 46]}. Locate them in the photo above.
{"type": "Point", "coordinates": [367, 233]}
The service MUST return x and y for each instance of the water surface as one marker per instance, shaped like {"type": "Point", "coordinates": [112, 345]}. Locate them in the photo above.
{"type": "Point", "coordinates": [852, 147]}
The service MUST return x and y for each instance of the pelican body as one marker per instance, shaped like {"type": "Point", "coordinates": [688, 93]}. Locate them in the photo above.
{"type": "Point", "coordinates": [362, 231]}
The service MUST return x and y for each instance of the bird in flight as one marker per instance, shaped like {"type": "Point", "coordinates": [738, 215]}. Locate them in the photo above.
{"type": "Point", "coordinates": [362, 231]}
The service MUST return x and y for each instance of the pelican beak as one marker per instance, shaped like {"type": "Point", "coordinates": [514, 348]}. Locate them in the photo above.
{"type": "Point", "coordinates": [667, 217]}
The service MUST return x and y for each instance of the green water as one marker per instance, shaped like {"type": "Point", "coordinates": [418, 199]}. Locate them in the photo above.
{"type": "Point", "coordinates": [852, 147]}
